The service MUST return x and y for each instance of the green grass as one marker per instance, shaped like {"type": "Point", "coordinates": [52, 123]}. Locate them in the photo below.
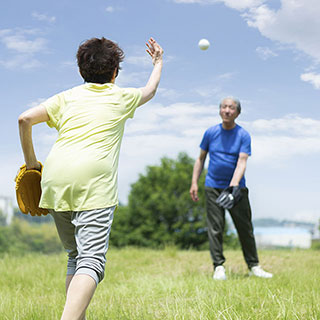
{"type": "Point", "coordinates": [169, 284]}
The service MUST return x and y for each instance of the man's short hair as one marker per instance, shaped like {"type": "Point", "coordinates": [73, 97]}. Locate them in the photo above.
{"type": "Point", "coordinates": [98, 59]}
{"type": "Point", "coordinates": [235, 100]}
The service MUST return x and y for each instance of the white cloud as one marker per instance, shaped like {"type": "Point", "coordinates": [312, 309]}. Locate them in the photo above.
{"type": "Point", "coordinates": [22, 46]}
{"type": "Point", "coordinates": [209, 91]}
{"type": "Point", "coordinates": [226, 76]}
{"type": "Point", "coordinates": [213, 90]}
{"type": "Point", "coordinates": [71, 65]}
{"type": "Point", "coordinates": [141, 60]}
{"type": "Point", "coordinates": [43, 17]}
{"type": "Point", "coordinates": [19, 43]}
{"type": "Point", "coordinates": [313, 78]}
{"type": "Point", "coordinates": [292, 125]}
{"type": "Point", "coordinates": [110, 9]}
{"type": "Point", "coordinates": [169, 93]}
{"type": "Point", "coordinates": [235, 4]}
{"type": "Point", "coordinates": [265, 53]}
{"type": "Point", "coordinates": [46, 139]}
{"type": "Point", "coordinates": [139, 57]}
{"type": "Point", "coordinates": [260, 17]}
{"type": "Point", "coordinates": [36, 102]}
{"type": "Point", "coordinates": [277, 140]}
{"type": "Point", "coordinates": [132, 79]}
{"type": "Point", "coordinates": [276, 150]}
{"type": "Point", "coordinates": [191, 1]}
{"type": "Point", "coordinates": [242, 4]}
{"type": "Point", "coordinates": [22, 61]}
{"type": "Point", "coordinates": [295, 23]}
{"type": "Point", "coordinates": [9, 171]}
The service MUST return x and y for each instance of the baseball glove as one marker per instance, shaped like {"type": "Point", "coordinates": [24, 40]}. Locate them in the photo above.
{"type": "Point", "coordinates": [229, 197]}
{"type": "Point", "coordinates": [28, 191]}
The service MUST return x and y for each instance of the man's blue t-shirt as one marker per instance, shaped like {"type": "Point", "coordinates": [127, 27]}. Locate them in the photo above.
{"type": "Point", "coordinates": [224, 147]}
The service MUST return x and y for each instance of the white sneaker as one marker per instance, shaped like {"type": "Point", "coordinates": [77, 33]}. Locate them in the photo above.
{"type": "Point", "coordinates": [219, 273]}
{"type": "Point", "coordinates": [257, 271]}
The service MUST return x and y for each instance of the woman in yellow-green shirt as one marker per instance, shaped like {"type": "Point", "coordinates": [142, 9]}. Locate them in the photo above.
{"type": "Point", "coordinates": [79, 181]}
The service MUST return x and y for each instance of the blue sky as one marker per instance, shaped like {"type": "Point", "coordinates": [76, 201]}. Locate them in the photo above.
{"type": "Point", "coordinates": [266, 53]}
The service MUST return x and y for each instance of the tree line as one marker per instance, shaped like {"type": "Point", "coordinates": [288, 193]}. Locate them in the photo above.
{"type": "Point", "coordinates": [159, 212]}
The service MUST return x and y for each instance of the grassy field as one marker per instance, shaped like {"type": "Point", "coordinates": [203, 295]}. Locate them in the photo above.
{"type": "Point", "coordinates": [168, 284]}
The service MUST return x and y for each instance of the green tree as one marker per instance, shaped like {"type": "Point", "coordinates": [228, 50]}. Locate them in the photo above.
{"type": "Point", "coordinates": [21, 237]}
{"type": "Point", "coordinates": [121, 231]}
{"type": "Point", "coordinates": [32, 219]}
{"type": "Point", "coordinates": [160, 210]}
{"type": "Point", "coordinates": [2, 218]}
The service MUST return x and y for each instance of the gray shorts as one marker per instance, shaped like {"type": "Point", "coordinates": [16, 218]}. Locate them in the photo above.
{"type": "Point", "coordinates": [85, 236]}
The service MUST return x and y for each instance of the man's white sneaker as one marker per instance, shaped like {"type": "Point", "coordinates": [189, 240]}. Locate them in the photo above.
{"type": "Point", "coordinates": [257, 271]}
{"type": "Point", "coordinates": [219, 273]}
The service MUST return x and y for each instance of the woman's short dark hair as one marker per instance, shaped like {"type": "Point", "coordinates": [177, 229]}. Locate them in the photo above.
{"type": "Point", "coordinates": [98, 58]}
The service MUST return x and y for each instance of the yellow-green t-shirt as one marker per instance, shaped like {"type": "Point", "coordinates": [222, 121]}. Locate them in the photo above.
{"type": "Point", "coordinates": [81, 170]}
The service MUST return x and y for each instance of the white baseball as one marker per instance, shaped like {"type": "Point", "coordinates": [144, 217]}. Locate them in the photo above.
{"type": "Point", "coordinates": [204, 44]}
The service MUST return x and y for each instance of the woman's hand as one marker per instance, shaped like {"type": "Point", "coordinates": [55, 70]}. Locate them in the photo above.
{"type": "Point", "coordinates": [154, 50]}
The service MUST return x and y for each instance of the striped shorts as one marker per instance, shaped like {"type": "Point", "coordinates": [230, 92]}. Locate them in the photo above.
{"type": "Point", "coordinates": [85, 236]}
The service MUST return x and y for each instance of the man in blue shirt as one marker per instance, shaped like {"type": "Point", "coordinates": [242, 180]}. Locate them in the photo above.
{"type": "Point", "coordinates": [229, 147]}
